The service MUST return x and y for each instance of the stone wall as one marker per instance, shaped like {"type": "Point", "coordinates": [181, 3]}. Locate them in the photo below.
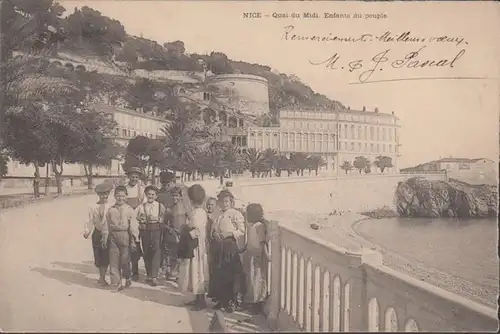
{"type": "Point", "coordinates": [322, 195]}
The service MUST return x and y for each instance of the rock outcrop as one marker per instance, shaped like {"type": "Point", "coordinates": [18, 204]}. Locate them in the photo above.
{"type": "Point", "coordinates": [420, 197]}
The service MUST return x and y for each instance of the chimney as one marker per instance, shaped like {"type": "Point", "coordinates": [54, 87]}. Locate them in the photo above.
{"type": "Point", "coordinates": [364, 108]}
{"type": "Point", "coordinates": [376, 110]}
{"type": "Point", "coordinates": [393, 113]}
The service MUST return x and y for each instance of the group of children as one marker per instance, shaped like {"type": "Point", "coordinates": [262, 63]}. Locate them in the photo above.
{"type": "Point", "coordinates": [206, 245]}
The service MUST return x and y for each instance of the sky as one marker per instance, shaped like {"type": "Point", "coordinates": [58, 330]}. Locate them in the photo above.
{"type": "Point", "coordinates": [439, 118]}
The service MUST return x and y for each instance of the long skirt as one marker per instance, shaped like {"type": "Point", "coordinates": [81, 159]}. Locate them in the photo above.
{"type": "Point", "coordinates": [101, 255]}
{"type": "Point", "coordinates": [255, 267]}
{"type": "Point", "coordinates": [193, 273]}
{"type": "Point", "coordinates": [227, 270]}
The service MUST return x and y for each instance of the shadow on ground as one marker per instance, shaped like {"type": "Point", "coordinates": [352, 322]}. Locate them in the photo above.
{"type": "Point", "coordinates": [165, 294]}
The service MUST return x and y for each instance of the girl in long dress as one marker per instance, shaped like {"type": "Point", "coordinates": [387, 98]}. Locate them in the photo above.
{"type": "Point", "coordinates": [227, 270]}
{"type": "Point", "coordinates": [193, 264]}
{"type": "Point", "coordinates": [256, 258]}
{"type": "Point", "coordinates": [210, 207]}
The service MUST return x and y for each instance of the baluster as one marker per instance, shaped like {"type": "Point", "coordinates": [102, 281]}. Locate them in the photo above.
{"type": "Point", "coordinates": [276, 276]}
{"type": "Point", "coordinates": [315, 301]}
{"type": "Point", "coordinates": [307, 296]}
{"type": "Point", "coordinates": [294, 286]}
{"type": "Point", "coordinates": [288, 281]}
{"type": "Point", "coordinates": [345, 308]}
{"type": "Point", "coordinates": [325, 308]}
{"type": "Point", "coordinates": [282, 287]}
{"type": "Point", "coordinates": [301, 295]}
{"type": "Point", "coordinates": [335, 304]}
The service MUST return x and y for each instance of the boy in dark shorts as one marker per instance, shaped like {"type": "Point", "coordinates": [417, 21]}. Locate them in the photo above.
{"type": "Point", "coordinates": [93, 227]}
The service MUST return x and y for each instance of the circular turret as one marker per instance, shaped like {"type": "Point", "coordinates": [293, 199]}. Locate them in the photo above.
{"type": "Point", "coordinates": [247, 93]}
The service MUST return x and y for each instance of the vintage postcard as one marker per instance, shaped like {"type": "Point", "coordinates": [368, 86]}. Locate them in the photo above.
{"type": "Point", "coordinates": [249, 166]}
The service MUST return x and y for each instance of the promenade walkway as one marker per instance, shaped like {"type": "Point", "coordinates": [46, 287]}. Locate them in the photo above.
{"type": "Point", "coordinates": [48, 281]}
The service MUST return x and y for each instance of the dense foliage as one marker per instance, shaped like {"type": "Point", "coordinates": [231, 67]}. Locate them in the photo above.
{"type": "Point", "coordinates": [47, 122]}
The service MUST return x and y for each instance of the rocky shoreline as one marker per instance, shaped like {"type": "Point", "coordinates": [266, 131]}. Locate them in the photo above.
{"type": "Point", "coordinates": [339, 229]}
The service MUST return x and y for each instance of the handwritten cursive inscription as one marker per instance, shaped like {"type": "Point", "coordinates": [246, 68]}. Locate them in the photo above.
{"type": "Point", "coordinates": [291, 34]}
{"type": "Point", "coordinates": [368, 68]}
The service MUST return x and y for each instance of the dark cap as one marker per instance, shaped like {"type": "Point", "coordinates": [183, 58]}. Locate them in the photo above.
{"type": "Point", "coordinates": [103, 188]}
{"type": "Point", "coordinates": [166, 176]}
{"type": "Point", "coordinates": [176, 190]}
{"type": "Point", "coordinates": [151, 187]}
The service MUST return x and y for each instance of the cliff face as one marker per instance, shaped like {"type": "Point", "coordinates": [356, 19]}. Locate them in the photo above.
{"type": "Point", "coordinates": [420, 197]}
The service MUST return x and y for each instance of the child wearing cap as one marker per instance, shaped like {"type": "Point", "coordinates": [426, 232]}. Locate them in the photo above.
{"type": "Point", "coordinates": [121, 229]}
{"type": "Point", "coordinates": [93, 226]}
{"type": "Point", "coordinates": [150, 216]}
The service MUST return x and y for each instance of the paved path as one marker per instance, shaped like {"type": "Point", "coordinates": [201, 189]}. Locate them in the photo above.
{"type": "Point", "coordinates": [48, 281]}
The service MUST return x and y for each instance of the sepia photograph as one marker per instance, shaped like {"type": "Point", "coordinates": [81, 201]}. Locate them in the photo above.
{"type": "Point", "coordinates": [249, 166]}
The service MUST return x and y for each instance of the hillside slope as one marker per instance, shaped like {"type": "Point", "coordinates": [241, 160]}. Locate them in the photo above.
{"type": "Point", "coordinates": [90, 34]}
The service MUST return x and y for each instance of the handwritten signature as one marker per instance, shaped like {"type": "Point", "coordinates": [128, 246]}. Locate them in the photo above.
{"type": "Point", "coordinates": [377, 62]}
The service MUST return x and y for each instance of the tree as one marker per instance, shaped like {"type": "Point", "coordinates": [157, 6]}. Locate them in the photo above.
{"type": "Point", "coordinates": [89, 29]}
{"type": "Point", "coordinates": [383, 162]}
{"type": "Point", "coordinates": [360, 163]}
{"type": "Point", "coordinates": [315, 162]}
{"type": "Point", "coordinates": [300, 162]}
{"type": "Point", "coordinates": [270, 160]}
{"type": "Point", "coordinates": [28, 139]}
{"type": "Point", "coordinates": [148, 153]}
{"type": "Point", "coordinates": [4, 160]}
{"type": "Point", "coordinates": [346, 166]}
{"type": "Point", "coordinates": [254, 160]}
{"type": "Point", "coordinates": [186, 136]}
{"type": "Point", "coordinates": [282, 163]}
{"type": "Point", "coordinates": [96, 147]}
{"type": "Point", "coordinates": [232, 158]}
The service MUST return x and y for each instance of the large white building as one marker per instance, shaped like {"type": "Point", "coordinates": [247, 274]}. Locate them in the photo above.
{"type": "Point", "coordinates": [336, 135]}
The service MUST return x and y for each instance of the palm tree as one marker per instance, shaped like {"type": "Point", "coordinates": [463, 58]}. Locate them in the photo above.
{"type": "Point", "coordinates": [271, 160]}
{"type": "Point", "coordinates": [300, 162]}
{"type": "Point", "coordinates": [254, 161]}
{"type": "Point", "coordinates": [282, 163]}
{"type": "Point", "coordinates": [232, 158]}
{"type": "Point", "coordinates": [184, 137]}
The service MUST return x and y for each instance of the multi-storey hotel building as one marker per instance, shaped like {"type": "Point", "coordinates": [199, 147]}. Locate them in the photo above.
{"type": "Point", "coordinates": [336, 135]}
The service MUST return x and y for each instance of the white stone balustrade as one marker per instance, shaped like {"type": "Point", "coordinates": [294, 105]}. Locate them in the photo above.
{"type": "Point", "coordinates": [319, 287]}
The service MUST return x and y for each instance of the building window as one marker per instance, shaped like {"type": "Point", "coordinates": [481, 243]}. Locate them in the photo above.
{"type": "Point", "coordinates": [383, 147]}
{"type": "Point", "coordinates": [346, 131]}
{"type": "Point", "coordinates": [371, 132]}
{"type": "Point", "coordinates": [353, 133]}
{"type": "Point", "coordinates": [124, 132]}
{"type": "Point", "coordinates": [360, 135]}
{"type": "Point", "coordinates": [352, 146]}
{"type": "Point", "coordinates": [378, 133]}
{"type": "Point", "coordinates": [390, 134]}
{"type": "Point", "coordinates": [359, 147]}
{"type": "Point", "coordinates": [371, 148]}
{"type": "Point", "coordinates": [206, 96]}
{"type": "Point", "coordinates": [383, 134]}
{"type": "Point", "coordinates": [340, 131]}
{"type": "Point", "coordinates": [366, 147]}
{"type": "Point", "coordinates": [134, 133]}
{"type": "Point", "coordinates": [378, 148]}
